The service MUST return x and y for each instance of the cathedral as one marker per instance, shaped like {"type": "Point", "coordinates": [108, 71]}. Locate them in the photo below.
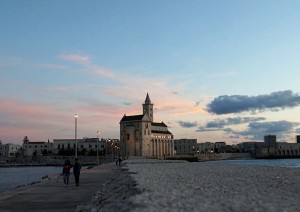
{"type": "Point", "coordinates": [141, 136]}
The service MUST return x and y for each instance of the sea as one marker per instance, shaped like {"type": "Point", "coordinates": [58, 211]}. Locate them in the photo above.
{"type": "Point", "coordinates": [288, 163]}
{"type": "Point", "coordinates": [12, 177]}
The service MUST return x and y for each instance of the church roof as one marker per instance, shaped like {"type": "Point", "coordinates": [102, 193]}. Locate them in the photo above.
{"type": "Point", "coordinates": [132, 118]}
{"type": "Point", "coordinates": [157, 124]}
{"type": "Point", "coordinates": [161, 132]}
{"type": "Point", "coordinates": [147, 100]}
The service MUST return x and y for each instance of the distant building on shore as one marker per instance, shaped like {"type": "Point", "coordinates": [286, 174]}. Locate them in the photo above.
{"type": "Point", "coordinates": [9, 150]}
{"type": "Point", "coordinates": [185, 146]}
{"type": "Point", "coordinates": [85, 145]}
{"type": "Point", "coordinates": [273, 149]}
{"type": "Point", "coordinates": [36, 148]}
{"type": "Point", "coordinates": [205, 147]}
{"type": "Point", "coordinates": [141, 136]}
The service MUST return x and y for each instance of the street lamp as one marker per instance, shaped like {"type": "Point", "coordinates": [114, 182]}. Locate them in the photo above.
{"type": "Point", "coordinates": [107, 140]}
{"type": "Point", "coordinates": [76, 116]}
{"type": "Point", "coordinates": [98, 132]}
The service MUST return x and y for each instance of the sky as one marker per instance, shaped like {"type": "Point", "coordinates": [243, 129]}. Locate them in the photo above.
{"type": "Point", "coordinates": [215, 70]}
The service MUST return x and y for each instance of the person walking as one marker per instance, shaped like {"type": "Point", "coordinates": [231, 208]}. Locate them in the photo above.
{"type": "Point", "coordinates": [76, 171]}
{"type": "Point", "coordinates": [66, 171]}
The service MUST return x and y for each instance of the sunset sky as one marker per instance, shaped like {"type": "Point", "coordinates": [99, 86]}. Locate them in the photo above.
{"type": "Point", "coordinates": [216, 70]}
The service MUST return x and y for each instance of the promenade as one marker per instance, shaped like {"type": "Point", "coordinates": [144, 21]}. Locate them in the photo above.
{"type": "Point", "coordinates": [143, 185]}
{"type": "Point", "coordinates": [52, 195]}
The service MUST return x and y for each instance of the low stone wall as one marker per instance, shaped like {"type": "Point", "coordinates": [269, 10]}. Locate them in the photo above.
{"type": "Point", "coordinates": [222, 156]}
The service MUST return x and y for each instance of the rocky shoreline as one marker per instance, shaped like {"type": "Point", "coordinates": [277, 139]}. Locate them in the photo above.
{"type": "Point", "coordinates": [153, 185]}
{"type": "Point", "coordinates": [114, 194]}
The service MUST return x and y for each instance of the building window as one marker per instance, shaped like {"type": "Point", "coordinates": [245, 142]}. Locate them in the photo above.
{"type": "Point", "coordinates": [127, 136]}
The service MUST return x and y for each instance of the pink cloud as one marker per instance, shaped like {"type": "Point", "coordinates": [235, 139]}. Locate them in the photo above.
{"type": "Point", "coordinates": [101, 72]}
{"type": "Point", "coordinates": [81, 59]}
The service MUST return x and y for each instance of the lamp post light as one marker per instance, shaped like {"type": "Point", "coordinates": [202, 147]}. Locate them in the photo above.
{"type": "Point", "coordinates": [98, 147]}
{"type": "Point", "coordinates": [112, 150]}
{"type": "Point", "coordinates": [107, 140]}
{"type": "Point", "coordinates": [76, 116]}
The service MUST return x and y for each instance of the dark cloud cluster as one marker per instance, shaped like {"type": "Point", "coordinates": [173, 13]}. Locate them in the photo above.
{"type": "Point", "coordinates": [257, 130]}
{"type": "Point", "coordinates": [242, 103]}
{"type": "Point", "coordinates": [219, 124]}
{"type": "Point", "coordinates": [186, 124]}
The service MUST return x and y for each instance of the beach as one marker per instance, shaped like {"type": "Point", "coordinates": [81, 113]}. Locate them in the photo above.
{"type": "Point", "coordinates": [158, 185]}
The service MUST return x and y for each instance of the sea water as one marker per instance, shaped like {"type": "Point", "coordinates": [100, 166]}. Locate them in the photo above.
{"type": "Point", "coordinates": [11, 177]}
{"type": "Point", "coordinates": [289, 163]}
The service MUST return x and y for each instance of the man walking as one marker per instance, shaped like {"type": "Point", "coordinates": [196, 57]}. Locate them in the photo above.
{"type": "Point", "coordinates": [76, 171]}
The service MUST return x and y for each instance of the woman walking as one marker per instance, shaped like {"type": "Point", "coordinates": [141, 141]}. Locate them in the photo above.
{"type": "Point", "coordinates": [66, 171]}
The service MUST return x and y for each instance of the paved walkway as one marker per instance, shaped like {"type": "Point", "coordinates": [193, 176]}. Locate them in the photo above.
{"type": "Point", "coordinates": [52, 195]}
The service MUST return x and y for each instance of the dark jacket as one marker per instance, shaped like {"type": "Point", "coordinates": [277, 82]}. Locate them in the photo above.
{"type": "Point", "coordinates": [76, 168]}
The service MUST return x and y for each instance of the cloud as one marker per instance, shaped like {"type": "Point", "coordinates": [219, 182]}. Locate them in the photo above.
{"type": "Point", "coordinates": [238, 103]}
{"type": "Point", "coordinates": [219, 124]}
{"type": "Point", "coordinates": [100, 71]}
{"type": "Point", "coordinates": [204, 129]}
{"type": "Point", "coordinates": [81, 59]}
{"type": "Point", "coordinates": [186, 124]}
{"type": "Point", "coordinates": [127, 103]}
{"type": "Point", "coordinates": [257, 130]}
{"type": "Point", "coordinates": [198, 103]}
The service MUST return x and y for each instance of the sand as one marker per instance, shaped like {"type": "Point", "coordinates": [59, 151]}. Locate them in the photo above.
{"type": "Point", "coordinates": [158, 185]}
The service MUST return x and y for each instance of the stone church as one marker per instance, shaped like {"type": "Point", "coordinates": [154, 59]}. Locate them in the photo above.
{"type": "Point", "coordinates": [141, 136]}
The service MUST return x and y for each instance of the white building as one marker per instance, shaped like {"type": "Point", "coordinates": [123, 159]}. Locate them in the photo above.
{"type": "Point", "coordinates": [141, 136]}
{"type": "Point", "coordinates": [9, 150]}
{"type": "Point", "coordinates": [36, 148]}
{"type": "Point", "coordinates": [84, 144]}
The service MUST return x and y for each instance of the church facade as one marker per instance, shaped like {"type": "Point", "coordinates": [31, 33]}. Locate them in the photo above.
{"type": "Point", "coordinates": [141, 136]}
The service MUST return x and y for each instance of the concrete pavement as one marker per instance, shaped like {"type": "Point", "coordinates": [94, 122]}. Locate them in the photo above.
{"type": "Point", "coordinates": [52, 195]}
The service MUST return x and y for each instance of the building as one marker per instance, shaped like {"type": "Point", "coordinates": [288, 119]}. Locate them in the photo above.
{"type": "Point", "coordinates": [220, 147]}
{"type": "Point", "coordinates": [185, 146]}
{"type": "Point", "coordinates": [273, 149]}
{"type": "Point", "coordinates": [141, 136]}
{"type": "Point", "coordinates": [84, 146]}
{"type": "Point", "coordinates": [36, 148]}
{"type": "Point", "coordinates": [287, 149]}
{"type": "Point", "coordinates": [206, 147]}
{"type": "Point", "coordinates": [9, 150]}
{"type": "Point", "coordinates": [270, 141]}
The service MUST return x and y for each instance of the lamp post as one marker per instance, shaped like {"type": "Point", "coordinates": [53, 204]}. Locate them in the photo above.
{"type": "Point", "coordinates": [107, 140]}
{"type": "Point", "coordinates": [98, 147]}
{"type": "Point", "coordinates": [76, 116]}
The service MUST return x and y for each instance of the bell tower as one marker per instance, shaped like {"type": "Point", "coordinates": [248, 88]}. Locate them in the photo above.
{"type": "Point", "coordinates": [148, 107]}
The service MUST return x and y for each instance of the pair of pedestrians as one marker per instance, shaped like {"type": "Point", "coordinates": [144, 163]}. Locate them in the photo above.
{"type": "Point", "coordinates": [66, 171]}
